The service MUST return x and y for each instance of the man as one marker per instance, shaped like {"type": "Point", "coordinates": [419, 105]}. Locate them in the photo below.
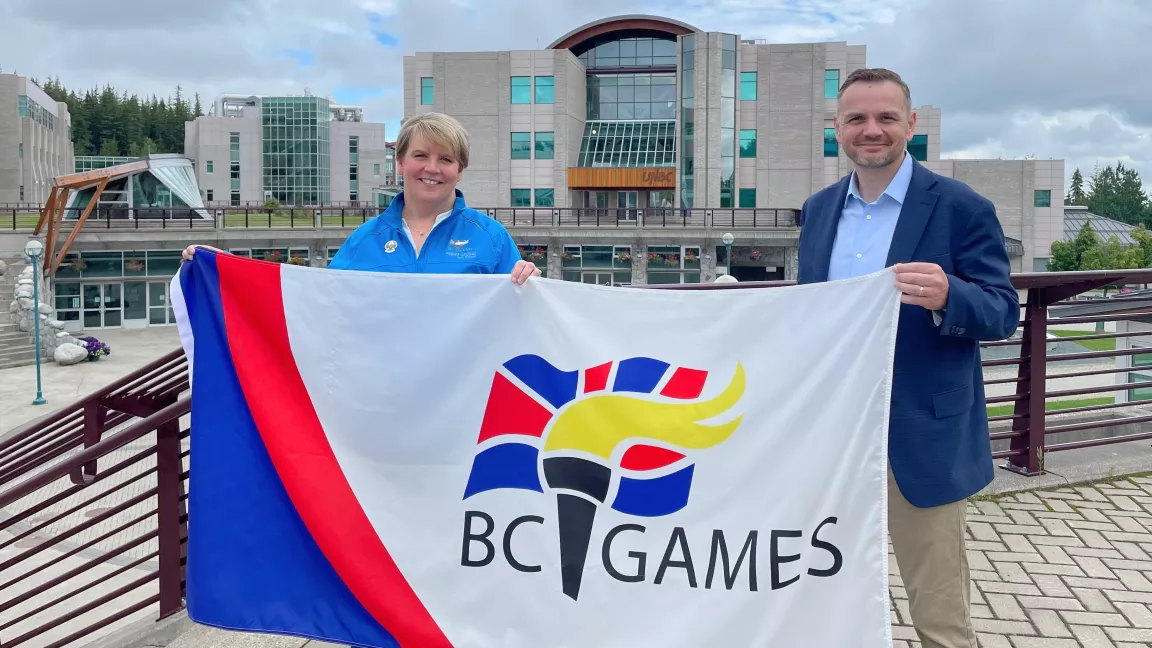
{"type": "Point", "coordinates": [952, 267]}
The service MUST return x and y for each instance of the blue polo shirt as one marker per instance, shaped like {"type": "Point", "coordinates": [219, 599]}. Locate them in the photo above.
{"type": "Point", "coordinates": [462, 241]}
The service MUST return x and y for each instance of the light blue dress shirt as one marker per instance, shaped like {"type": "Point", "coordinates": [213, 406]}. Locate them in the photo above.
{"type": "Point", "coordinates": [864, 232]}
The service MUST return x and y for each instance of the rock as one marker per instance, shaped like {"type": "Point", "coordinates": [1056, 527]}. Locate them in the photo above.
{"type": "Point", "coordinates": [3, 268]}
{"type": "Point", "coordinates": [46, 309]}
{"type": "Point", "coordinates": [26, 281]}
{"type": "Point", "coordinates": [14, 307]}
{"type": "Point", "coordinates": [69, 354]}
{"type": "Point", "coordinates": [26, 272]}
{"type": "Point", "coordinates": [24, 291]}
{"type": "Point", "coordinates": [24, 302]}
{"type": "Point", "coordinates": [55, 324]}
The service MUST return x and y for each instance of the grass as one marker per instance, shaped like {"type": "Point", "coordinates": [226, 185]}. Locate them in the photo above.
{"type": "Point", "coordinates": [1055, 405]}
{"type": "Point", "coordinates": [1091, 345]}
{"type": "Point", "coordinates": [24, 220]}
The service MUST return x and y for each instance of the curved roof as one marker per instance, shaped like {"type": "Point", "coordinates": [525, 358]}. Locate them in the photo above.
{"type": "Point", "coordinates": [619, 23]}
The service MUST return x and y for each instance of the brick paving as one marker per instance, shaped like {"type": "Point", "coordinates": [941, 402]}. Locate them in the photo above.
{"type": "Point", "coordinates": [1062, 568]}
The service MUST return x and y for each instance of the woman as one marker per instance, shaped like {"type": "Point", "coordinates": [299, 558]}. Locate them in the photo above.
{"type": "Point", "coordinates": [428, 228]}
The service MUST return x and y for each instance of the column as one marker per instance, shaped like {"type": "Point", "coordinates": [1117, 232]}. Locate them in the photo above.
{"type": "Point", "coordinates": [791, 262]}
{"type": "Point", "coordinates": [707, 262]}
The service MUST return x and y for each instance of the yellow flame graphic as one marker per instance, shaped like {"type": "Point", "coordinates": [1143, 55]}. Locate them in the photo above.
{"type": "Point", "coordinates": [598, 424]}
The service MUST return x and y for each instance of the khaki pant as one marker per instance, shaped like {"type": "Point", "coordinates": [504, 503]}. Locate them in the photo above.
{"type": "Point", "coordinates": [933, 562]}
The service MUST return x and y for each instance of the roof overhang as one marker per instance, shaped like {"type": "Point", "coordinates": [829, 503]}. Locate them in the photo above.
{"type": "Point", "coordinates": [604, 26]}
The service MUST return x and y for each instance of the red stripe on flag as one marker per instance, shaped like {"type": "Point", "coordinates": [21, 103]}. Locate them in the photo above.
{"type": "Point", "coordinates": [596, 378]}
{"type": "Point", "coordinates": [298, 447]}
{"type": "Point", "coordinates": [685, 383]}
{"type": "Point", "coordinates": [646, 457]}
{"type": "Point", "coordinates": [511, 411]}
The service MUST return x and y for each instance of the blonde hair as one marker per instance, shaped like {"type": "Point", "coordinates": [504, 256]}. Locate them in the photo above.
{"type": "Point", "coordinates": [438, 128]}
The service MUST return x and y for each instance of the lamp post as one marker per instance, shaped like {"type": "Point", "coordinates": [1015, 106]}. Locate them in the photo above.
{"type": "Point", "coordinates": [33, 249]}
{"type": "Point", "coordinates": [728, 238]}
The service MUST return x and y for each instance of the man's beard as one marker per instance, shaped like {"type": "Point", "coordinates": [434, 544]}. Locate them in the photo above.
{"type": "Point", "coordinates": [888, 157]}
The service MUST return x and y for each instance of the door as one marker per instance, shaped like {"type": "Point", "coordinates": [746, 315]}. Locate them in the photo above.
{"type": "Point", "coordinates": [159, 309]}
{"type": "Point", "coordinates": [135, 304]}
{"type": "Point", "coordinates": [627, 202]}
{"type": "Point", "coordinates": [598, 278]}
{"type": "Point", "coordinates": [103, 307]}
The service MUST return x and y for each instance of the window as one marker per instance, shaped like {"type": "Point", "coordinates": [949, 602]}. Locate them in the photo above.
{"type": "Point", "coordinates": [632, 96]}
{"type": "Point", "coordinates": [545, 90]}
{"type": "Point", "coordinates": [918, 147]}
{"type": "Point", "coordinates": [747, 198]}
{"type": "Point", "coordinates": [748, 86]}
{"type": "Point", "coordinates": [673, 264]}
{"type": "Point", "coordinates": [597, 264]}
{"type": "Point", "coordinates": [21, 193]}
{"type": "Point", "coordinates": [545, 197]}
{"type": "Point", "coordinates": [628, 144]}
{"type": "Point", "coordinates": [234, 166]}
{"type": "Point", "coordinates": [521, 146]}
{"type": "Point", "coordinates": [208, 166]}
{"type": "Point", "coordinates": [545, 147]}
{"type": "Point", "coordinates": [521, 197]}
{"type": "Point", "coordinates": [631, 52]}
{"type": "Point", "coordinates": [21, 149]}
{"type": "Point", "coordinates": [748, 143]}
{"type": "Point", "coordinates": [209, 195]}
{"type": "Point", "coordinates": [727, 120]}
{"type": "Point", "coordinates": [426, 93]}
{"type": "Point", "coordinates": [831, 83]}
{"type": "Point", "coordinates": [831, 146]}
{"type": "Point", "coordinates": [688, 121]}
{"type": "Point", "coordinates": [1042, 198]}
{"type": "Point", "coordinates": [521, 90]}
{"type": "Point", "coordinates": [376, 169]}
{"type": "Point", "coordinates": [235, 198]}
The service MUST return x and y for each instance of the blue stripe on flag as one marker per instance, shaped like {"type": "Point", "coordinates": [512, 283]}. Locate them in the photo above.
{"type": "Point", "coordinates": [252, 564]}
{"type": "Point", "coordinates": [508, 465]}
{"type": "Point", "coordinates": [654, 497]}
{"type": "Point", "coordinates": [555, 386]}
{"type": "Point", "coordinates": [639, 375]}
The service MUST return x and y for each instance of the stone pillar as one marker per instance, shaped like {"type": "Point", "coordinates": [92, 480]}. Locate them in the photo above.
{"type": "Point", "coordinates": [639, 262]}
{"type": "Point", "coordinates": [791, 262]}
{"type": "Point", "coordinates": [707, 262]}
{"type": "Point", "coordinates": [555, 263]}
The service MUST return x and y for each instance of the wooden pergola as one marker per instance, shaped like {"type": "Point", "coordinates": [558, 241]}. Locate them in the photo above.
{"type": "Point", "coordinates": [52, 215]}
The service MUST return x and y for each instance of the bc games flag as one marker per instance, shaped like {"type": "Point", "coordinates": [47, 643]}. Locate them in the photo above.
{"type": "Point", "coordinates": [429, 461]}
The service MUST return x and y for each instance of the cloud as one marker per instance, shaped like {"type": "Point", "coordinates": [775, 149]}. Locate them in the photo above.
{"type": "Point", "coordinates": [1050, 78]}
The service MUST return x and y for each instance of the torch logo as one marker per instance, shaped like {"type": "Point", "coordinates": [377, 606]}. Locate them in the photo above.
{"type": "Point", "coordinates": [634, 419]}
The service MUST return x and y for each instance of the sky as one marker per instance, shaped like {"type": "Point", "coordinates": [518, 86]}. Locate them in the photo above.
{"type": "Point", "coordinates": [1063, 79]}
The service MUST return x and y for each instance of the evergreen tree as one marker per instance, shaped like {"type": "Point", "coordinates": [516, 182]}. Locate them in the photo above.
{"type": "Point", "coordinates": [1118, 194]}
{"type": "Point", "coordinates": [1076, 195]}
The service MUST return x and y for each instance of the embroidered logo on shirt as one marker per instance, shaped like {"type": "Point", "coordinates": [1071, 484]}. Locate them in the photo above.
{"type": "Point", "coordinates": [457, 250]}
{"type": "Point", "coordinates": [390, 247]}
{"type": "Point", "coordinates": [458, 244]}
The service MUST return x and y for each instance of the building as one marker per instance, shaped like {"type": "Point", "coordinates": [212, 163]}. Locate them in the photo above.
{"type": "Point", "coordinates": [35, 141]}
{"type": "Point", "coordinates": [303, 150]}
{"type": "Point", "coordinates": [635, 118]}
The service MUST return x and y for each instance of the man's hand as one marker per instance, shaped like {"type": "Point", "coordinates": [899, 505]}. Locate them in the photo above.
{"type": "Point", "coordinates": [923, 284]}
{"type": "Point", "coordinates": [523, 270]}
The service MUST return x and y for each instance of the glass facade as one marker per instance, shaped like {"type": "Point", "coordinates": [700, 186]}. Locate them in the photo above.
{"type": "Point", "coordinates": [831, 84]}
{"type": "Point", "coordinates": [296, 150]}
{"type": "Point", "coordinates": [426, 94]}
{"type": "Point", "coordinates": [727, 120]}
{"type": "Point", "coordinates": [673, 264]}
{"type": "Point", "coordinates": [545, 89]}
{"type": "Point", "coordinates": [630, 52]}
{"type": "Point", "coordinates": [748, 143]}
{"type": "Point", "coordinates": [28, 107]}
{"type": "Point", "coordinates": [545, 197]}
{"type": "Point", "coordinates": [105, 289]}
{"type": "Point", "coordinates": [521, 146]}
{"type": "Point", "coordinates": [93, 162]}
{"type": "Point", "coordinates": [632, 96]}
{"type": "Point", "coordinates": [747, 86]}
{"type": "Point", "coordinates": [628, 144]}
{"type": "Point", "coordinates": [604, 265]}
{"type": "Point", "coordinates": [353, 167]}
{"type": "Point", "coordinates": [747, 198]}
{"type": "Point", "coordinates": [831, 146]}
{"type": "Point", "coordinates": [545, 146]}
{"type": "Point", "coordinates": [521, 197]}
{"type": "Point", "coordinates": [1042, 198]}
{"type": "Point", "coordinates": [149, 192]}
{"type": "Point", "coordinates": [688, 121]}
{"type": "Point", "coordinates": [918, 147]}
{"type": "Point", "coordinates": [234, 166]}
{"type": "Point", "coordinates": [521, 89]}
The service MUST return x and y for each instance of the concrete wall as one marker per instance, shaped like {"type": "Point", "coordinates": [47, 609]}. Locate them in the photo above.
{"type": "Point", "coordinates": [370, 151]}
{"type": "Point", "coordinates": [47, 153]}
{"type": "Point", "coordinates": [208, 139]}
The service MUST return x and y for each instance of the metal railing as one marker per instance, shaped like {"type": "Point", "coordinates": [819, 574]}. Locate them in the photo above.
{"type": "Point", "coordinates": [338, 217]}
{"type": "Point", "coordinates": [93, 516]}
{"type": "Point", "coordinates": [92, 505]}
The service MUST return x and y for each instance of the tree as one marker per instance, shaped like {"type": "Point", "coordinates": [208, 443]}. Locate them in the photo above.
{"type": "Point", "coordinates": [1118, 194]}
{"type": "Point", "coordinates": [1076, 195]}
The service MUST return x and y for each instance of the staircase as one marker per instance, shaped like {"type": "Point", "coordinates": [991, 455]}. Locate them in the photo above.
{"type": "Point", "coordinates": [16, 349]}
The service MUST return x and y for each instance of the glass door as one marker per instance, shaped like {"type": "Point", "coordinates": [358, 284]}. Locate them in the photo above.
{"type": "Point", "coordinates": [135, 304]}
{"type": "Point", "coordinates": [627, 202]}
{"type": "Point", "coordinates": [159, 311]}
{"type": "Point", "coordinates": [102, 304]}
{"type": "Point", "coordinates": [598, 278]}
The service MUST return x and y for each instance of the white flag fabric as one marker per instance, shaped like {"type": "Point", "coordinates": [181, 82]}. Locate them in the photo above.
{"type": "Point", "coordinates": [432, 460]}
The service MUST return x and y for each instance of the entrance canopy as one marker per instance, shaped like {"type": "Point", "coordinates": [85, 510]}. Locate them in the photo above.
{"type": "Point", "coordinates": [149, 187]}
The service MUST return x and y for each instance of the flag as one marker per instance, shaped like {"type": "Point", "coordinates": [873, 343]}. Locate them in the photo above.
{"type": "Point", "coordinates": [429, 461]}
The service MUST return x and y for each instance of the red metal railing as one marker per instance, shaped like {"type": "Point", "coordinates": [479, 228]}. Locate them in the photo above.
{"type": "Point", "coordinates": [93, 519]}
{"type": "Point", "coordinates": [92, 512]}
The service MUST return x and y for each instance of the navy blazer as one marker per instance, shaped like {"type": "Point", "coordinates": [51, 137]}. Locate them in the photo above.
{"type": "Point", "coordinates": [938, 445]}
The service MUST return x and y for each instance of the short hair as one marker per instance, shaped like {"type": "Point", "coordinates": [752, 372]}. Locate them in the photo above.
{"type": "Point", "coordinates": [436, 127]}
{"type": "Point", "coordinates": [877, 75]}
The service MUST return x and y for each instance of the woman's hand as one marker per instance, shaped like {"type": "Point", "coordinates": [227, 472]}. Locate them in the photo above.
{"type": "Point", "coordinates": [191, 249]}
{"type": "Point", "coordinates": [523, 270]}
